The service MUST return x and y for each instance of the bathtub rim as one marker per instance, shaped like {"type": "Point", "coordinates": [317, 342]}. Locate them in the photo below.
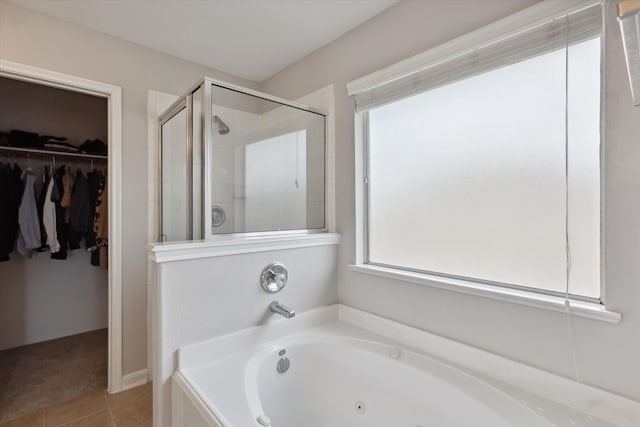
{"type": "Point", "coordinates": [587, 399]}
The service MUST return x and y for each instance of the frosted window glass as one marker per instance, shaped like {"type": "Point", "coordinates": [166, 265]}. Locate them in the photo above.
{"type": "Point", "coordinates": [469, 179]}
{"type": "Point", "coordinates": [275, 180]}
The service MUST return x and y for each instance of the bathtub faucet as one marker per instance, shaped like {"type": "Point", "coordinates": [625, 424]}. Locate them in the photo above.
{"type": "Point", "coordinates": [281, 309]}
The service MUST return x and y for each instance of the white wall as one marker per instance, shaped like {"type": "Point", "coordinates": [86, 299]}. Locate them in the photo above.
{"type": "Point", "coordinates": [34, 39]}
{"type": "Point", "coordinates": [228, 190]}
{"type": "Point", "coordinates": [43, 298]}
{"type": "Point", "coordinates": [203, 298]}
{"type": "Point", "coordinates": [606, 355]}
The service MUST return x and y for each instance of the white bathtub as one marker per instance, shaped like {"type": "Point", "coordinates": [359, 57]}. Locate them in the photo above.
{"type": "Point", "coordinates": [342, 374]}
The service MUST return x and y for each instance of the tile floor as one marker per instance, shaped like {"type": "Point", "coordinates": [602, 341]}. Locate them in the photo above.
{"type": "Point", "coordinates": [130, 408]}
{"type": "Point", "coordinates": [41, 375]}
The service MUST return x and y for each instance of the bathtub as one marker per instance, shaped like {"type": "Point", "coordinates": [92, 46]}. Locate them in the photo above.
{"type": "Point", "coordinates": [347, 368]}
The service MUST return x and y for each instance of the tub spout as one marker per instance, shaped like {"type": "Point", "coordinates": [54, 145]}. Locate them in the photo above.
{"type": "Point", "coordinates": [281, 309]}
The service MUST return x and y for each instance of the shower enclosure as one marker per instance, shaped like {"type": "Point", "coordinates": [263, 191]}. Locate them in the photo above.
{"type": "Point", "coordinates": [237, 161]}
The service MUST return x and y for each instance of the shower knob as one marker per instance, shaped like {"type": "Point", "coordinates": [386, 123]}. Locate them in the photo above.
{"type": "Point", "coordinates": [217, 216]}
{"type": "Point", "coordinates": [273, 278]}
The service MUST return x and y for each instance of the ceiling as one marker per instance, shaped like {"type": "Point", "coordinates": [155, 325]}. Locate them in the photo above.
{"type": "Point", "coordinates": [254, 39]}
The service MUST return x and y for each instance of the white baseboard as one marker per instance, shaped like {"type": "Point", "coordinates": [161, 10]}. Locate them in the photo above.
{"type": "Point", "coordinates": [134, 379]}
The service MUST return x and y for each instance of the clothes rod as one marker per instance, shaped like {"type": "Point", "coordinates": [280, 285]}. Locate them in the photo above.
{"type": "Point", "coordinates": [48, 153]}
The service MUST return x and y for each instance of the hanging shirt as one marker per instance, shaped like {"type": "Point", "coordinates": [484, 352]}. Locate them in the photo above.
{"type": "Point", "coordinates": [29, 223]}
{"type": "Point", "coordinates": [81, 205]}
{"type": "Point", "coordinates": [67, 189]}
{"type": "Point", "coordinates": [10, 194]}
{"type": "Point", "coordinates": [96, 182]}
{"type": "Point", "coordinates": [49, 219]}
{"type": "Point", "coordinates": [62, 228]}
{"type": "Point", "coordinates": [102, 228]}
{"type": "Point", "coordinates": [41, 198]}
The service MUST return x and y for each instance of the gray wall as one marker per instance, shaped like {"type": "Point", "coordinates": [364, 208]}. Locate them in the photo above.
{"type": "Point", "coordinates": [34, 39]}
{"type": "Point", "coordinates": [607, 355]}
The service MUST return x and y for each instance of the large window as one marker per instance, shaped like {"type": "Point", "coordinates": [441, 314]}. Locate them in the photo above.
{"type": "Point", "coordinates": [494, 175]}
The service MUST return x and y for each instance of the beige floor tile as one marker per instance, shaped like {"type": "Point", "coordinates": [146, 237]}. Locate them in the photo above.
{"type": "Point", "coordinates": [133, 416]}
{"type": "Point", "coordinates": [75, 409]}
{"type": "Point", "coordinates": [37, 376]}
{"type": "Point", "coordinates": [142, 393]}
{"type": "Point", "coordinates": [132, 408]}
{"type": "Point", "coordinates": [35, 419]}
{"type": "Point", "coordinates": [99, 419]}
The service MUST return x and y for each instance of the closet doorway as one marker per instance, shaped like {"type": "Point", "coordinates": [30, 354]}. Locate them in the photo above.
{"type": "Point", "coordinates": [98, 303]}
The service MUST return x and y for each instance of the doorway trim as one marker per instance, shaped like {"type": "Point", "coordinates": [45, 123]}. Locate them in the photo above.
{"type": "Point", "coordinates": [113, 94]}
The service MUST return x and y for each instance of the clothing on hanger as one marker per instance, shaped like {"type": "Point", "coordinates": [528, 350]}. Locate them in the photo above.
{"type": "Point", "coordinates": [28, 220]}
{"type": "Point", "coordinates": [62, 228]}
{"type": "Point", "coordinates": [96, 182]}
{"type": "Point", "coordinates": [66, 209]}
{"type": "Point", "coordinates": [49, 218]}
{"type": "Point", "coordinates": [102, 227]}
{"type": "Point", "coordinates": [67, 189]}
{"type": "Point", "coordinates": [10, 196]}
{"type": "Point", "coordinates": [80, 211]}
{"type": "Point", "coordinates": [46, 177]}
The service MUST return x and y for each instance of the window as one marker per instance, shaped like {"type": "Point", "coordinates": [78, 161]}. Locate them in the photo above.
{"type": "Point", "coordinates": [286, 183]}
{"type": "Point", "coordinates": [487, 167]}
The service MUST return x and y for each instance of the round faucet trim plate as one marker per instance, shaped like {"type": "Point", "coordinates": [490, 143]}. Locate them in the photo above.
{"type": "Point", "coordinates": [274, 277]}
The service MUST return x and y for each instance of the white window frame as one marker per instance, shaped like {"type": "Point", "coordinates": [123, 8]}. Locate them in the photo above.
{"type": "Point", "coordinates": [535, 15]}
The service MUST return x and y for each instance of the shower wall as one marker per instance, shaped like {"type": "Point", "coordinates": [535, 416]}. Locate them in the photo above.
{"type": "Point", "coordinates": [267, 157]}
{"type": "Point", "coordinates": [228, 187]}
{"type": "Point", "coordinates": [268, 164]}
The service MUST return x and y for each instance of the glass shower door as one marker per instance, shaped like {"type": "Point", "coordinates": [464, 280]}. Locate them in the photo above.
{"type": "Point", "coordinates": [176, 212]}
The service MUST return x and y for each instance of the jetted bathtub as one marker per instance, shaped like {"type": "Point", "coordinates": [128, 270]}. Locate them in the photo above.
{"type": "Point", "coordinates": [328, 368]}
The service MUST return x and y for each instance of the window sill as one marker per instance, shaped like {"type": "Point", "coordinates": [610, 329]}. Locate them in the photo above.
{"type": "Point", "coordinates": [180, 251]}
{"type": "Point", "coordinates": [531, 299]}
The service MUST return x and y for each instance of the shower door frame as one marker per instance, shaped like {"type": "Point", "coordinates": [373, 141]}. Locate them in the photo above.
{"type": "Point", "coordinates": [166, 117]}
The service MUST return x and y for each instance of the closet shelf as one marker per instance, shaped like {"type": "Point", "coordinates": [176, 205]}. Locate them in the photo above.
{"type": "Point", "coordinates": [49, 153]}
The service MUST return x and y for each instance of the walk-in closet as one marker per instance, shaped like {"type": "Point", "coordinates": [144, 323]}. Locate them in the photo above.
{"type": "Point", "coordinates": [53, 245]}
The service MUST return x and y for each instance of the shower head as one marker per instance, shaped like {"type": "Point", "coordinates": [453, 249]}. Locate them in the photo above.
{"type": "Point", "coordinates": [223, 129]}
